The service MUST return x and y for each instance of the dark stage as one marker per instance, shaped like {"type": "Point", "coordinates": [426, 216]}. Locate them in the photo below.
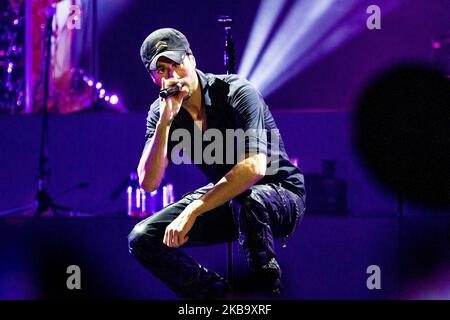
{"type": "Point", "coordinates": [327, 258]}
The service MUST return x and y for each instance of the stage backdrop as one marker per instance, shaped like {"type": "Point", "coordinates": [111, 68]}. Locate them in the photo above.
{"type": "Point", "coordinates": [332, 81]}
{"type": "Point", "coordinates": [101, 149]}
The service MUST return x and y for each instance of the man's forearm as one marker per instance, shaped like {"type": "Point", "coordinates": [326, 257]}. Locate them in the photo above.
{"type": "Point", "coordinates": [154, 161]}
{"type": "Point", "coordinates": [241, 177]}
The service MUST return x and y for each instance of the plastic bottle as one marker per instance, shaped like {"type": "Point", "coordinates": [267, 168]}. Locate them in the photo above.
{"type": "Point", "coordinates": [134, 196]}
{"type": "Point", "coordinates": [168, 196]}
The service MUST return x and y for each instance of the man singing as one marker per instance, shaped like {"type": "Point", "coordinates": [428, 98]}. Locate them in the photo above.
{"type": "Point", "coordinates": [255, 196]}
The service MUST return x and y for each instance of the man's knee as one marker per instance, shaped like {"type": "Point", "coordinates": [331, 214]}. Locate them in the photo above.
{"type": "Point", "coordinates": [140, 238]}
{"type": "Point", "coordinates": [133, 239]}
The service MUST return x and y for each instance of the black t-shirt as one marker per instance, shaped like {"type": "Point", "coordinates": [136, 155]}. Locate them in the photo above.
{"type": "Point", "coordinates": [237, 121]}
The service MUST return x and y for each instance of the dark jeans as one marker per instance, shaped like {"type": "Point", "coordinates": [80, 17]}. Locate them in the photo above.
{"type": "Point", "coordinates": [256, 217]}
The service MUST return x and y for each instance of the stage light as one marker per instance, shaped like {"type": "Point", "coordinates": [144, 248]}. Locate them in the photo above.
{"type": "Point", "coordinates": [311, 30]}
{"type": "Point", "coordinates": [337, 17]}
{"type": "Point", "coordinates": [332, 42]}
{"type": "Point", "coordinates": [266, 16]}
{"type": "Point", "coordinates": [107, 98]}
{"type": "Point", "coordinates": [90, 83]}
{"type": "Point", "coordinates": [98, 85]}
{"type": "Point", "coordinates": [295, 27]}
{"type": "Point", "coordinates": [349, 25]}
{"type": "Point", "coordinates": [114, 99]}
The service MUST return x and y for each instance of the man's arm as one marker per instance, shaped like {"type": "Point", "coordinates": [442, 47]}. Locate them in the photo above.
{"type": "Point", "coordinates": [154, 159]}
{"type": "Point", "coordinates": [240, 178]}
{"type": "Point", "coordinates": [249, 105]}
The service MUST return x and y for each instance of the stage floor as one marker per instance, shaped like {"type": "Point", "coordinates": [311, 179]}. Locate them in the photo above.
{"type": "Point", "coordinates": [326, 258]}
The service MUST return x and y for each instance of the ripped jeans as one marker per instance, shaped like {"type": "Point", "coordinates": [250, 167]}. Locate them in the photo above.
{"type": "Point", "coordinates": [256, 217]}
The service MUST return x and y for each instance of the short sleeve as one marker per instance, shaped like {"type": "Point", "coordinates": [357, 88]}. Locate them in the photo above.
{"type": "Point", "coordinates": [152, 120]}
{"type": "Point", "coordinates": [250, 107]}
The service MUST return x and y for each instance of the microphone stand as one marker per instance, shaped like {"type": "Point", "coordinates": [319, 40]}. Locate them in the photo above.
{"type": "Point", "coordinates": [229, 63]}
{"type": "Point", "coordinates": [229, 58]}
{"type": "Point", "coordinates": [43, 201]}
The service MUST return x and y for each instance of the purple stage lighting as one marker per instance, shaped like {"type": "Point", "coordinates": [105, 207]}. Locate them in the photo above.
{"type": "Point", "coordinates": [312, 29]}
{"type": "Point", "coordinates": [114, 99]}
{"type": "Point", "coordinates": [350, 24]}
{"type": "Point", "coordinates": [296, 27]}
{"type": "Point", "coordinates": [265, 18]}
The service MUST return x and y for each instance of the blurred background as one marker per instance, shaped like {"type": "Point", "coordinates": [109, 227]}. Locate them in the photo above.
{"type": "Point", "coordinates": [69, 149]}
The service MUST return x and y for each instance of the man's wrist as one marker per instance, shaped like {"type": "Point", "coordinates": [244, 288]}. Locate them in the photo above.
{"type": "Point", "coordinates": [195, 207]}
{"type": "Point", "coordinates": [163, 125]}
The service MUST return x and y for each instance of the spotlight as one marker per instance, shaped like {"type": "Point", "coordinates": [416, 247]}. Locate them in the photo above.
{"type": "Point", "coordinates": [293, 30]}
{"type": "Point", "coordinates": [265, 18]}
{"type": "Point", "coordinates": [114, 99]}
{"type": "Point", "coordinates": [102, 94]}
{"type": "Point", "coordinates": [310, 30]}
{"type": "Point", "coordinates": [330, 25]}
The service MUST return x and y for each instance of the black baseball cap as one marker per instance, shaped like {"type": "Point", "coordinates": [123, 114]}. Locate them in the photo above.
{"type": "Point", "coordinates": [165, 42]}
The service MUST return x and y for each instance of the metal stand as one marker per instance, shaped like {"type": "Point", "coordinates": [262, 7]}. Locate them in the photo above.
{"type": "Point", "coordinates": [229, 63]}
{"type": "Point", "coordinates": [43, 201]}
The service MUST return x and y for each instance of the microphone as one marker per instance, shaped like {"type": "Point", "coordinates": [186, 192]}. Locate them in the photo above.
{"type": "Point", "coordinates": [171, 91]}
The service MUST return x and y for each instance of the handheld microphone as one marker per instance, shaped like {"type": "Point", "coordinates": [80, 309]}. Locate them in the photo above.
{"type": "Point", "coordinates": [171, 91]}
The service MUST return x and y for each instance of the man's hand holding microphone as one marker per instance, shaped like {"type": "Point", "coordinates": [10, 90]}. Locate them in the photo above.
{"type": "Point", "coordinates": [171, 97]}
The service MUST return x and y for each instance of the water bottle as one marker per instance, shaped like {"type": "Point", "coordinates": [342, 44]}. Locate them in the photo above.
{"type": "Point", "coordinates": [134, 196]}
{"type": "Point", "coordinates": [142, 204]}
{"type": "Point", "coordinates": [168, 196]}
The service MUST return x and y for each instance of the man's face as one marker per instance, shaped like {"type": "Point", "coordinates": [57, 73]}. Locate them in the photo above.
{"type": "Point", "coordinates": [168, 69]}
